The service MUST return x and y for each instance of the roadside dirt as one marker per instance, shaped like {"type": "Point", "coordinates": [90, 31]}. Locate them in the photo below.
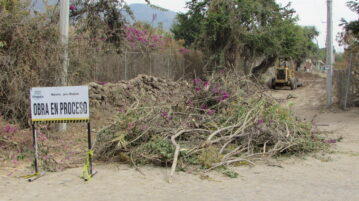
{"type": "Point", "coordinates": [319, 177]}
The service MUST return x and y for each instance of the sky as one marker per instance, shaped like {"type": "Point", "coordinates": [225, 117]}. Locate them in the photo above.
{"type": "Point", "coordinates": [310, 12]}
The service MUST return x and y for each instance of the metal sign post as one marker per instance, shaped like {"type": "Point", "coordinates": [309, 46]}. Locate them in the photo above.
{"type": "Point", "coordinates": [34, 137]}
{"type": "Point", "coordinates": [61, 105]}
{"type": "Point", "coordinates": [89, 155]}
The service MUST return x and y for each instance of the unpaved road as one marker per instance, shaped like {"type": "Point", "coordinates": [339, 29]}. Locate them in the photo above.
{"type": "Point", "coordinates": [333, 177]}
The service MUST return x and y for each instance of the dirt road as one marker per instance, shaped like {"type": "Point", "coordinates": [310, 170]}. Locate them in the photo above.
{"type": "Point", "coordinates": [330, 177]}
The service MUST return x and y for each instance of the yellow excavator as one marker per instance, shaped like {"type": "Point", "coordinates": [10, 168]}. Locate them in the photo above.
{"type": "Point", "coordinates": [284, 76]}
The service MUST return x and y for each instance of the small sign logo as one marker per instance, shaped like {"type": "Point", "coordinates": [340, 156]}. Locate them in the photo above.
{"type": "Point", "coordinates": [37, 95]}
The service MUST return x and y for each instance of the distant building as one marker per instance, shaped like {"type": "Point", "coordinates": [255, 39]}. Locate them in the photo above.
{"type": "Point", "coordinates": [308, 65]}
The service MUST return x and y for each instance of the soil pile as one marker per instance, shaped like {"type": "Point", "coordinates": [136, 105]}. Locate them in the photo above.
{"type": "Point", "coordinates": [151, 90]}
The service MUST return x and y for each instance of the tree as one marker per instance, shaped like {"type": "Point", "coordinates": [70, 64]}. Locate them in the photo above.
{"type": "Point", "coordinates": [245, 30]}
{"type": "Point", "coordinates": [350, 35]}
{"type": "Point", "coordinates": [28, 50]}
{"type": "Point", "coordinates": [188, 25]}
{"type": "Point", "coordinates": [100, 19]}
{"type": "Point", "coordinates": [306, 47]}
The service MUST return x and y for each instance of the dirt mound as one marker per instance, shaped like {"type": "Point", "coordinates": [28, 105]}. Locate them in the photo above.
{"type": "Point", "coordinates": [146, 88]}
{"type": "Point", "coordinates": [309, 75]}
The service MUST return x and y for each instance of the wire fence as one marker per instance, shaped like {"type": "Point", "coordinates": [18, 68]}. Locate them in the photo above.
{"type": "Point", "coordinates": [347, 82]}
{"type": "Point", "coordinates": [127, 65]}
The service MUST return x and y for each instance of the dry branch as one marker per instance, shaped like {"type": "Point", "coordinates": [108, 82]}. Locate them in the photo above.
{"type": "Point", "coordinates": [218, 127]}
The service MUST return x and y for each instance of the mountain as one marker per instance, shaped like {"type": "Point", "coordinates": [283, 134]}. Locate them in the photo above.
{"type": "Point", "coordinates": [154, 16]}
{"type": "Point", "coordinates": [141, 12]}
{"type": "Point", "coordinates": [39, 5]}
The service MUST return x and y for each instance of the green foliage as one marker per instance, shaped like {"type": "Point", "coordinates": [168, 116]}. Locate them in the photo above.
{"type": "Point", "coordinates": [188, 25]}
{"type": "Point", "coordinates": [231, 174]}
{"type": "Point", "coordinates": [305, 47]}
{"type": "Point", "coordinates": [350, 35]}
{"type": "Point", "coordinates": [161, 147]}
{"type": "Point", "coordinates": [100, 19]}
{"type": "Point", "coordinates": [229, 29]}
{"type": "Point", "coordinates": [28, 52]}
{"type": "Point", "coordinates": [31, 55]}
{"type": "Point", "coordinates": [8, 5]}
{"type": "Point", "coordinates": [209, 157]}
{"type": "Point", "coordinates": [2, 44]}
{"type": "Point", "coordinates": [215, 125]}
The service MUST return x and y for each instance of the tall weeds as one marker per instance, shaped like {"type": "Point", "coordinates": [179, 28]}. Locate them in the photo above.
{"type": "Point", "coordinates": [31, 55]}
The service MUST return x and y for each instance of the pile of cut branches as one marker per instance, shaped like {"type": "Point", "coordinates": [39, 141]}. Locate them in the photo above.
{"type": "Point", "coordinates": [227, 119]}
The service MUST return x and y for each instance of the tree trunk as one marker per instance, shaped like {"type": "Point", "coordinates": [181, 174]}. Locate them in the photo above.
{"type": "Point", "coordinates": [264, 66]}
{"type": "Point", "coordinates": [297, 65]}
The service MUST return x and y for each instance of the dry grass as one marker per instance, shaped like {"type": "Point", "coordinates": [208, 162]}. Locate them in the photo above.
{"type": "Point", "coordinates": [30, 56]}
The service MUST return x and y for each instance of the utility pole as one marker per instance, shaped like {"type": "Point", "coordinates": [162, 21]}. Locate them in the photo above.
{"type": "Point", "coordinates": [64, 38]}
{"type": "Point", "coordinates": [329, 49]}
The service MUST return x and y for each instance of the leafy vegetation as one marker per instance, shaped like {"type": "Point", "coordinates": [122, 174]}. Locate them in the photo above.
{"type": "Point", "coordinates": [100, 19]}
{"type": "Point", "coordinates": [226, 120]}
{"type": "Point", "coordinates": [30, 54]}
{"type": "Point", "coordinates": [27, 53]}
{"type": "Point", "coordinates": [350, 36]}
{"type": "Point", "coordinates": [235, 33]}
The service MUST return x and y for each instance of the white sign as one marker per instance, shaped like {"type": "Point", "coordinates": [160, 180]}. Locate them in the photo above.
{"type": "Point", "coordinates": [60, 103]}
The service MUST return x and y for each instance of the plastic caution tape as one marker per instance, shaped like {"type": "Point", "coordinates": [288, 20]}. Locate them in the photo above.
{"type": "Point", "coordinates": [86, 172]}
{"type": "Point", "coordinates": [30, 176]}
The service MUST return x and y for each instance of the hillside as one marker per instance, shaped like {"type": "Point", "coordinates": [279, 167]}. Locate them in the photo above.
{"type": "Point", "coordinates": [146, 13]}
{"type": "Point", "coordinates": [39, 5]}
{"type": "Point", "coordinates": [142, 12]}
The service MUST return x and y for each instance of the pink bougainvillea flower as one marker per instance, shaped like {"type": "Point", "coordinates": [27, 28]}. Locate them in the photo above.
{"type": "Point", "coordinates": [102, 83]}
{"type": "Point", "coordinates": [121, 110]}
{"type": "Point", "coordinates": [211, 112]}
{"type": "Point", "coordinates": [197, 81]}
{"type": "Point", "coordinates": [189, 102]}
{"type": "Point", "coordinates": [153, 46]}
{"type": "Point", "coordinates": [184, 50]}
{"type": "Point", "coordinates": [206, 86]}
{"type": "Point", "coordinates": [9, 129]}
{"type": "Point", "coordinates": [73, 7]}
{"type": "Point", "coordinates": [143, 38]}
{"type": "Point", "coordinates": [144, 127]}
{"type": "Point", "coordinates": [130, 126]}
{"type": "Point", "coordinates": [166, 116]}
{"type": "Point", "coordinates": [260, 121]}
{"type": "Point", "coordinates": [330, 141]}
{"type": "Point", "coordinates": [215, 90]}
{"type": "Point", "coordinates": [42, 138]}
{"type": "Point", "coordinates": [197, 89]}
{"type": "Point", "coordinates": [204, 107]}
{"type": "Point", "coordinates": [225, 95]}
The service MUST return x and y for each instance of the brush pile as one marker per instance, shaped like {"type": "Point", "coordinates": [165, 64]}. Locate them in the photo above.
{"type": "Point", "coordinates": [223, 120]}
